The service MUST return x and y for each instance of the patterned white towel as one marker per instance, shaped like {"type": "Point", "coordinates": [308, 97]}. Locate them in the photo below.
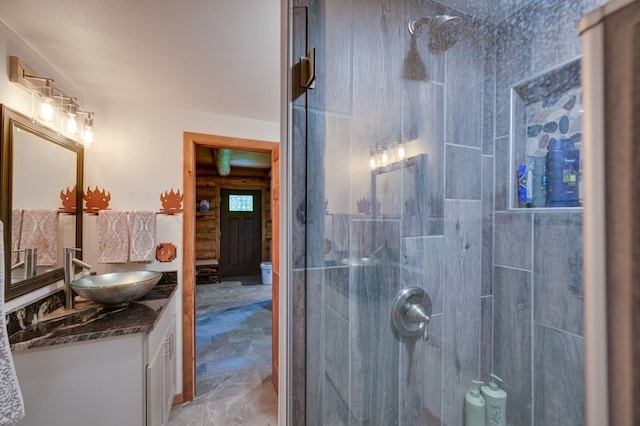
{"type": "Point", "coordinates": [40, 231]}
{"type": "Point", "coordinates": [142, 230]}
{"type": "Point", "coordinates": [16, 225]}
{"type": "Point", "coordinates": [11, 403]}
{"type": "Point", "coordinates": [113, 236]}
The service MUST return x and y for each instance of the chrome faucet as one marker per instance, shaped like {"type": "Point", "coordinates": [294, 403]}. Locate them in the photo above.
{"type": "Point", "coordinates": [69, 274]}
{"type": "Point", "coordinates": [29, 263]}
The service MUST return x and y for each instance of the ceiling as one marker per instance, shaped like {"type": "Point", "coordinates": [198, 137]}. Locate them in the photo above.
{"type": "Point", "coordinates": [214, 56]}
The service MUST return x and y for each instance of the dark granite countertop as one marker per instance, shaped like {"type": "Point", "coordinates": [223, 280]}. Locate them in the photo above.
{"type": "Point", "coordinates": [93, 321]}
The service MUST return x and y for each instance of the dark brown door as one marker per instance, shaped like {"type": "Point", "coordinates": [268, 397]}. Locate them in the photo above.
{"type": "Point", "coordinates": [240, 227]}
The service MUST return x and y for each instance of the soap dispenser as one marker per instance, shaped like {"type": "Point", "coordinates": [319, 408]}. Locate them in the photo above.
{"type": "Point", "coordinates": [495, 400]}
{"type": "Point", "coordinates": [474, 409]}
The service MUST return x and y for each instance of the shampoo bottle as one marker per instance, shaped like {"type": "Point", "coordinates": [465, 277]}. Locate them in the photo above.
{"type": "Point", "coordinates": [495, 400]}
{"type": "Point", "coordinates": [474, 409]}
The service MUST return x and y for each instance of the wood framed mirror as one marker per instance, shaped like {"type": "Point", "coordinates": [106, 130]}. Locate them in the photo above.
{"type": "Point", "coordinates": [40, 201]}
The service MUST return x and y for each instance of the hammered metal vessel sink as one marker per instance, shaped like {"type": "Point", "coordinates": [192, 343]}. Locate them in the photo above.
{"type": "Point", "coordinates": [116, 288]}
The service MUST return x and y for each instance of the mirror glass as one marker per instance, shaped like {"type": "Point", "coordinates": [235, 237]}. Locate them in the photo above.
{"type": "Point", "coordinates": [41, 208]}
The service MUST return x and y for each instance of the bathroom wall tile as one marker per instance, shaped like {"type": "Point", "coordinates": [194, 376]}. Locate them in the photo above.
{"type": "Point", "coordinates": [513, 62]}
{"type": "Point", "coordinates": [472, 8]}
{"type": "Point", "coordinates": [502, 9]}
{"type": "Point", "coordinates": [421, 378]}
{"type": "Point", "coordinates": [464, 177]}
{"type": "Point", "coordinates": [423, 126]}
{"type": "Point", "coordinates": [461, 304]}
{"type": "Point", "coordinates": [389, 186]}
{"type": "Point", "coordinates": [559, 384]}
{"type": "Point", "coordinates": [486, 336]}
{"type": "Point", "coordinates": [487, 224]}
{"type": "Point", "coordinates": [330, 32]}
{"type": "Point", "coordinates": [316, 168]}
{"type": "Point", "coordinates": [512, 340]}
{"type": "Point", "coordinates": [464, 83]}
{"type": "Point", "coordinates": [589, 5]}
{"type": "Point", "coordinates": [556, 38]}
{"type": "Point", "coordinates": [315, 324]}
{"type": "Point", "coordinates": [377, 32]}
{"type": "Point", "coordinates": [558, 265]}
{"type": "Point", "coordinates": [336, 164]}
{"type": "Point", "coordinates": [327, 173]}
{"type": "Point", "coordinates": [489, 90]}
{"type": "Point", "coordinates": [340, 233]}
{"type": "Point", "coordinates": [336, 409]}
{"type": "Point", "coordinates": [376, 238]}
{"type": "Point", "coordinates": [336, 289]}
{"type": "Point", "coordinates": [335, 348]}
{"type": "Point", "coordinates": [422, 265]}
{"type": "Point", "coordinates": [299, 48]}
{"type": "Point", "coordinates": [419, 213]}
{"type": "Point", "coordinates": [374, 348]}
{"type": "Point", "coordinates": [512, 245]}
{"type": "Point", "coordinates": [502, 174]}
{"type": "Point", "coordinates": [298, 351]}
{"type": "Point", "coordinates": [298, 187]}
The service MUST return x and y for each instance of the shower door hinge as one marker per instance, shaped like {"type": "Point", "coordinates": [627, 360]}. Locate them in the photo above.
{"type": "Point", "coordinates": [308, 69]}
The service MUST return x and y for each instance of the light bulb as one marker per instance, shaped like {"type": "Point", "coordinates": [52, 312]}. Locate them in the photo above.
{"type": "Point", "coordinates": [86, 133]}
{"type": "Point", "coordinates": [401, 152]}
{"type": "Point", "coordinates": [385, 158]}
{"type": "Point", "coordinates": [87, 136]}
{"type": "Point", "coordinates": [372, 162]}
{"type": "Point", "coordinates": [72, 124]}
{"type": "Point", "coordinates": [46, 110]}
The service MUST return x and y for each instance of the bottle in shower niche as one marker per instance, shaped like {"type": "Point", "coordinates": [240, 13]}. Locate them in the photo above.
{"type": "Point", "coordinates": [495, 402]}
{"type": "Point", "coordinates": [522, 185]}
{"type": "Point", "coordinates": [563, 168]}
{"type": "Point", "coordinates": [474, 408]}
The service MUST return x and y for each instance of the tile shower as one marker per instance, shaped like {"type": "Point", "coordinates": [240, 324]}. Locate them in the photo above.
{"type": "Point", "coordinates": [505, 279]}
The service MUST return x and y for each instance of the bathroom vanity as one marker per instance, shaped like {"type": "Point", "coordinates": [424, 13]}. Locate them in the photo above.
{"type": "Point", "coordinates": [99, 365]}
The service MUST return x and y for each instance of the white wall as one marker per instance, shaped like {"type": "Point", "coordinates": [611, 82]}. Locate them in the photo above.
{"type": "Point", "coordinates": [136, 156]}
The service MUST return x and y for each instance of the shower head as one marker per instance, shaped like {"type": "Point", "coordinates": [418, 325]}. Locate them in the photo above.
{"type": "Point", "coordinates": [444, 31]}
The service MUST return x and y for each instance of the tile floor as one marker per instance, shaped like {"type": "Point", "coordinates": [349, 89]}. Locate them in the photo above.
{"type": "Point", "coordinates": [233, 357]}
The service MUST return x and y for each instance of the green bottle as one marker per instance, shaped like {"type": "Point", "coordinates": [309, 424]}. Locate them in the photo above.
{"type": "Point", "coordinates": [474, 409]}
{"type": "Point", "coordinates": [495, 402]}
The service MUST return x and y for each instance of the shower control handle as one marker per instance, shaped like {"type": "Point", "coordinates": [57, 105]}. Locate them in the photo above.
{"type": "Point", "coordinates": [411, 313]}
{"type": "Point", "coordinates": [416, 314]}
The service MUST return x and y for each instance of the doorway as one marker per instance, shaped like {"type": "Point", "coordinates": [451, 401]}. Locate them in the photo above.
{"type": "Point", "coordinates": [190, 142]}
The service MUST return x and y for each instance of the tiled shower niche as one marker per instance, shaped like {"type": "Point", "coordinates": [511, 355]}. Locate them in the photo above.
{"type": "Point", "coordinates": [546, 140]}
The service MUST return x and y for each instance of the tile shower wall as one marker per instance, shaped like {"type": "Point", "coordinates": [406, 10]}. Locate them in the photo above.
{"type": "Point", "coordinates": [505, 285]}
{"type": "Point", "coordinates": [537, 278]}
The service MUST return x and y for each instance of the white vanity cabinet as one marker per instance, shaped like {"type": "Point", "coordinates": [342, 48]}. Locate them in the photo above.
{"type": "Point", "coordinates": [161, 371]}
{"type": "Point", "coordinates": [126, 380]}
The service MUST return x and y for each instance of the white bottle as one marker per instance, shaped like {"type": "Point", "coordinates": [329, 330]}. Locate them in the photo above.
{"type": "Point", "coordinates": [495, 400]}
{"type": "Point", "coordinates": [474, 409]}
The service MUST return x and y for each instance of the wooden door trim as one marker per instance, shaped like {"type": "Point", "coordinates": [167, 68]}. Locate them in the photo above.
{"type": "Point", "coordinates": [190, 140]}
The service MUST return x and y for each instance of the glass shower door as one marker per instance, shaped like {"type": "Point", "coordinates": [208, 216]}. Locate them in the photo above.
{"type": "Point", "coordinates": [405, 180]}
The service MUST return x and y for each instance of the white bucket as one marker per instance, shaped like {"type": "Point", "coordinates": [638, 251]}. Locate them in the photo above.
{"type": "Point", "coordinates": [266, 272]}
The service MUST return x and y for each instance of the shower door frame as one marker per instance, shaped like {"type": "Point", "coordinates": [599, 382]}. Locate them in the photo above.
{"type": "Point", "coordinates": [597, 394]}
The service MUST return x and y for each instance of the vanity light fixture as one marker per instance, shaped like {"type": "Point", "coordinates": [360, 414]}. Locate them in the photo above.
{"type": "Point", "coordinates": [389, 153]}
{"type": "Point", "coordinates": [50, 106]}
